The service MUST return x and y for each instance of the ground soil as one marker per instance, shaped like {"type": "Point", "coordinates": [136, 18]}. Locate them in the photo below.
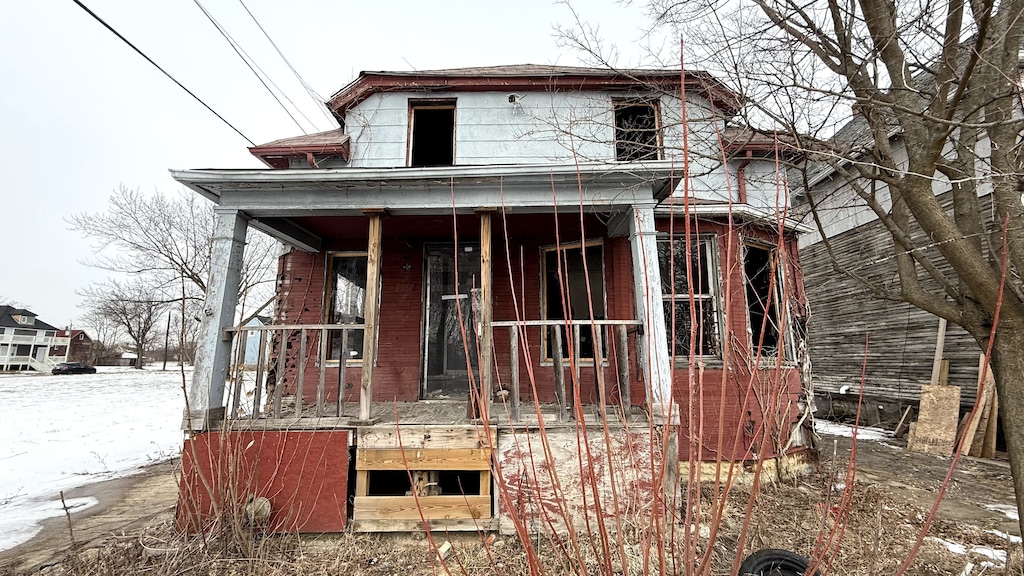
{"type": "Point", "coordinates": [871, 532]}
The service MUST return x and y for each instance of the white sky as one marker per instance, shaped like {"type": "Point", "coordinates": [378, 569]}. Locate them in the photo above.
{"type": "Point", "coordinates": [83, 114]}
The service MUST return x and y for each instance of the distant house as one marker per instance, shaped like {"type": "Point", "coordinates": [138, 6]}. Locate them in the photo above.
{"type": "Point", "coordinates": [27, 343]}
{"type": "Point", "coordinates": [252, 343]}
{"type": "Point", "coordinates": [117, 356]}
{"type": "Point", "coordinates": [80, 348]}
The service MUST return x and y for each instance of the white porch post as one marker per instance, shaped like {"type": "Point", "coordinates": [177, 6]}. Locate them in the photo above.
{"type": "Point", "coordinates": [654, 355]}
{"type": "Point", "coordinates": [206, 397]}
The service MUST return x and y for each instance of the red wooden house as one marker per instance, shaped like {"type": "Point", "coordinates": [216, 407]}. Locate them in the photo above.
{"type": "Point", "coordinates": [510, 296]}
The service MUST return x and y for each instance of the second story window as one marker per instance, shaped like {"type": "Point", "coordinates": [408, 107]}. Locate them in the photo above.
{"type": "Point", "coordinates": [431, 133]}
{"type": "Point", "coordinates": [637, 130]}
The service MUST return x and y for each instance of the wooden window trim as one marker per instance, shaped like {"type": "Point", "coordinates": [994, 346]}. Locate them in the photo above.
{"type": "Point", "coordinates": [429, 104]}
{"type": "Point", "coordinates": [659, 128]}
{"type": "Point", "coordinates": [329, 289]}
{"type": "Point", "coordinates": [714, 296]}
{"type": "Point", "coordinates": [779, 290]}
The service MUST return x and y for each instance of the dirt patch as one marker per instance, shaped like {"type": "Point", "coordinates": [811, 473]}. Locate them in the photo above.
{"type": "Point", "coordinates": [869, 533]}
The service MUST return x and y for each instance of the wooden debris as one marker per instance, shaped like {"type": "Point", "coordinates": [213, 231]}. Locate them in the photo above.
{"type": "Point", "coordinates": [935, 429]}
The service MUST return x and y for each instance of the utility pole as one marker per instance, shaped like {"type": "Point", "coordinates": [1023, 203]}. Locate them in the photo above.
{"type": "Point", "coordinates": [167, 337]}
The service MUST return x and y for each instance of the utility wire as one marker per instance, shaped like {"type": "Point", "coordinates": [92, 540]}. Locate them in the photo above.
{"type": "Point", "coordinates": [317, 99]}
{"type": "Point", "coordinates": [165, 72]}
{"type": "Point", "coordinates": [246, 59]}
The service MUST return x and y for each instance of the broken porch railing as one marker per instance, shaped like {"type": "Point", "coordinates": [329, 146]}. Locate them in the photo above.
{"type": "Point", "coordinates": [277, 359]}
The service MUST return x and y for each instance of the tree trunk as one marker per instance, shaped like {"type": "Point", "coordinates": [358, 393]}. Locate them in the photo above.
{"type": "Point", "coordinates": [1008, 370]}
{"type": "Point", "coordinates": [138, 356]}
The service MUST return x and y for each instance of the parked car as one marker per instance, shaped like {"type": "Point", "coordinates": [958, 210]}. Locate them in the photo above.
{"type": "Point", "coordinates": [73, 368]}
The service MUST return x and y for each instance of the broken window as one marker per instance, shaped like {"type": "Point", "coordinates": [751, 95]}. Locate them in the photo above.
{"type": "Point", "coordinates": [346, 295]}
{"type": "Point", "coordinates": [431, 133]}
{"type": "Point", "coordinates": [689, 282]}
{"type": "Point", "coordinates": [569, 296]}
{"type": "Point", "coordinates": [637, 134]}
{"type": "Point", "coordinates": [766, 309]}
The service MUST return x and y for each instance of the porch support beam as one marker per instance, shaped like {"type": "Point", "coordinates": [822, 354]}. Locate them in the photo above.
{"type": "Point", "coordinates": [371, 311]}
{"type": "Point", "coordinates": [206, 396]}
{"type": "Point", "coordinates": [289, 233]}
{"type": "Point", "coordinates": [486, 317]}
{"type": "Point", "coordinates": [655, 361]}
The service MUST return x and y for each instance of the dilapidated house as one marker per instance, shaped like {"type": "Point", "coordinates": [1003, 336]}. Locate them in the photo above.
{"type": "Point", "coordinates": [510, 297]}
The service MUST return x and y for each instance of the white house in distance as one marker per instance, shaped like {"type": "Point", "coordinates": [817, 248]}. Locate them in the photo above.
{"type": "Point", "coordinates": [26, 343]}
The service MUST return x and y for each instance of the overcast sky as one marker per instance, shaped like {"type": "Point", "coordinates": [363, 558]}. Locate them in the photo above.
{"type": "Point", "coordinates": [83, 114]}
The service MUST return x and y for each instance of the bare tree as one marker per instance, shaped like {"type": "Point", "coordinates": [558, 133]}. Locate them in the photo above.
{"type": "Point", "coordinates": [938, 96]}
{"type": "Point", "coordinates": [106, 333]}
{"type": "Point", "coordinates": [168, 241]}
{"type": "Point", "coordinates": [133, 306]}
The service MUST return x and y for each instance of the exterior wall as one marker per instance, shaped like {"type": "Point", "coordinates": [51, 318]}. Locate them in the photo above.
{"type": "Point", "coordinates": [489, 130]}
{"type": "Point", "coordinates": [16, 350]}
{"type": "Point", "coordinates": [303, 474]}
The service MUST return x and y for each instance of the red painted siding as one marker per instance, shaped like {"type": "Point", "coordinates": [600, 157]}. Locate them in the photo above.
{"type": "Point", "coordinates": [303, 474]}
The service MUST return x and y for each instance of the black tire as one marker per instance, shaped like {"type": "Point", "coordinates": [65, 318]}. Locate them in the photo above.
{"type": "Point", "coordinates": [774, 562]}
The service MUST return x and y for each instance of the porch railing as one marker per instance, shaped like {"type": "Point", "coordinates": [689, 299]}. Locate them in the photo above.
{"type": "Point", "coordinates": [606, 336]}
{"type": "Point", "coordinates": [285, 350]}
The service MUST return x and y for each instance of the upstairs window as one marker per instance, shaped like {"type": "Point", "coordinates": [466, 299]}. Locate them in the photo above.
{"type": "Point", "coordinates": [766, 309]}
{"type": "Point", "coordinates": [431, 133]}
{"type": "Point", "coordinates": [346, 299]}
{"type": "Point", "coordinates": [26, 320]}
{"type": "Point", "coordinates": [637, 130]}
{"type": "Point", "coordinates": [681, 274]}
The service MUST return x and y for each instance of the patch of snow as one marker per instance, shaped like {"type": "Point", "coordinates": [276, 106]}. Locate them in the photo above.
{"type": "Point", "coordinates": [1009, 537]}
{"type": "Point", "coordinates": [61, 432]}
{"type": "Point", "coordinates": [863, 432]}
{"type": "Point", "coordinates": [1008, 511]}
{"type": "Point", "coordinates": [998, 556]}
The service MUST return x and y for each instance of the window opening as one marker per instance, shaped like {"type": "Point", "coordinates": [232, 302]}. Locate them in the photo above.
{"type": "Point", "coordinates": [765, 309]}
{"type": "Point", "coordinates": [636, 131]}
{"type": "Point", "coordinates": [702, 262]}
{"type": "Point", "coordinates": [346, 298]}
{"type": "Point", "coordinates": [432, 133]}
{"type": "Point", "coordinates": [575, 297]}
{"type": "Point", "coordinates": [430, 483]}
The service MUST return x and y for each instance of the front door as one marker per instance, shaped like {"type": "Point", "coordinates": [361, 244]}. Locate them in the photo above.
{"type": "Point", "coordinates": [450, 355]}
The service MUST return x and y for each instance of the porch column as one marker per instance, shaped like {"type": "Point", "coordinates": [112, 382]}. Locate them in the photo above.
{"type": "Point", "coordinates": [371, 313]}
{"type": "Point", "coordinates": [654, 356]}
{"type": "Point", "coordinates": [206, 397]}
{"type": "Point", "coordinates": [486, 316]}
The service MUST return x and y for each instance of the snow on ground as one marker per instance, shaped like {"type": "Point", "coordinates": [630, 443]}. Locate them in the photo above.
{"type": "Point", "coordinates": [61, 432]}
{"type": "Point", "coordinates": [1009, 511]}
{"type": "Point", "coordinates": [863, 432]}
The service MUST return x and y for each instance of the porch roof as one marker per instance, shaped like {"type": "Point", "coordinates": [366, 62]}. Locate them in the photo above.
{"type": "Point", "coordinates": [275, 198]}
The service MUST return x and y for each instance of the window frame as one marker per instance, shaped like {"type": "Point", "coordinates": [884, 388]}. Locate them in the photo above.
{"type": "Point", "coordinates": [622, 102]}
{"type": "Point", "coordinates": [328, 298]}
{"type": "Point", "coordinates": [708, 242]}
{"type": "Point", "coordinates": [428, 104]}
{"type": "Point", "coordinates": [547, 359]}
{"type": "Point", "coordinates": [783, 325]}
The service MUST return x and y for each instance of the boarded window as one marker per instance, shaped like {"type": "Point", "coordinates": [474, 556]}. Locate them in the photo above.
{"type": "Point", "coordinates": [765, 305]}
{"type": "Point", "coordinates": [346, 296]}
{"type": "Point", "coordinates": [637, 135]}
{"type": "Point", "coordinates": [569, 296]}
{"type": "Point", "coordinates": [431, 133]}
{"type": "Point", "coordinates": [689, 282]}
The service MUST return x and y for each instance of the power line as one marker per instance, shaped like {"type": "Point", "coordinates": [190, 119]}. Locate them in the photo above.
{"type": "Point", "coordinates": [246, 59]}
{"type": "Point", "coordinates": [309, 90]}
{"type": "Point", "coordinates": [165, 72]}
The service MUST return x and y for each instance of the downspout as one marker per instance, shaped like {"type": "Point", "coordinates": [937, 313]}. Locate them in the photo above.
{"type": "Point", "coordinates": [741, 179]}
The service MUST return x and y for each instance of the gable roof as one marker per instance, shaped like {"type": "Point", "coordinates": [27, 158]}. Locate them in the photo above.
{"type": "Point", "coordinates": [531, 78]}
{"type": "Point", "coordinates": [7, 314]}
{"type": "Point", "coordinates": [276, 154]}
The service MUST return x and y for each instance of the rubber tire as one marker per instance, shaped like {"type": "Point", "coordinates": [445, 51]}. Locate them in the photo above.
{"type": "Point", "coordinates": [774, 562]}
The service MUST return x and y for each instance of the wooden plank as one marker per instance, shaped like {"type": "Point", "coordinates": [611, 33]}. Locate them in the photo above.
{"type": "Point", "coordinates": [599, 370]}
{"type": "Point", "coordinates": [431, 507]}
{"type": "Point", "coordinates": [427, 436]}
{"type": "Point", "coordinates": [303, 357]}
{"type": "Point", "coordinates": [486, 360]}
{"type": "Point", "coordinates": [362, 482]}
{"type": "Point", "coordinates": [935, 432]}
{"type": "Point", "coordinates": [556, 356]}
{"type": "Point", "coordinates": [622, 364]}
{"type": "Point", "coordinates": [342, 366]}
{"type": "Point", "coordinates": [444, 459]}
{"type": "Point", "coordinates": [438, 525]}
{"type": "Point", "coordinates": [236, 388]}
{"type": "Point", "coordinates": [529, 323]}
{"type": "Point", "coordinates": [371, 311]}
{"type": "Point", "coordinates": [988, 449]}
{"type": "Point", "coordinates": [981, 404]}
{"type": "Point", "coordinates": [321, 373]}
{"type": "Point", "coordinates": [985, 414]}
{"type": "Point", "coordinates": [940, 341]}
{"type": "Point", "coordinates": [902, 422]}
{"type": "Point", "coordinates": [485, 482]}
{"type": "Point", "coordinates": [513, 381]}
{"type": "Point", "coordinates": [282, 363]}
